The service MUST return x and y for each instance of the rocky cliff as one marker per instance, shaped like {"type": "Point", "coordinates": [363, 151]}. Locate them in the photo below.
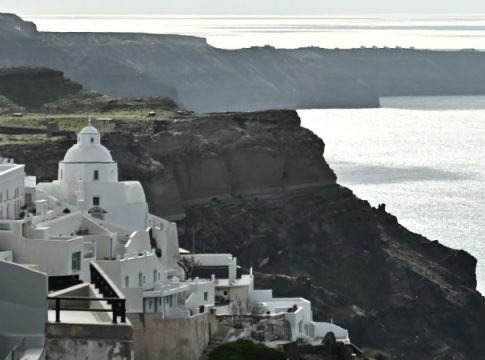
{"type": "Point", "coordinates": [34, 87]}
{"type": "Point", "coordinates": [256, 184]}
{"type": "Point", "coordinates": [204, 78]}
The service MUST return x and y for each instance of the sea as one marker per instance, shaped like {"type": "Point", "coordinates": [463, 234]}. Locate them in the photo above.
{"type": "Point", "coordinates": [423, 157]}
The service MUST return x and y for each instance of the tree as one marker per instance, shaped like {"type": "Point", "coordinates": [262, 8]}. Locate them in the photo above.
{"type": "Point", "coordinates": [239, 309]}
{"type": "Point", "coordinates": [188, 264]}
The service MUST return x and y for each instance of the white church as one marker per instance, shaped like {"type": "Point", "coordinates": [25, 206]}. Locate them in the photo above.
{"type": "Point", "coordinates": [88, 216]}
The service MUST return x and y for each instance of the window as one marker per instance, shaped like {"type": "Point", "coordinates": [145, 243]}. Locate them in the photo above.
{"type": "Point", "coordinates": [96, 175]}
{"type": "Point", "coordinates": [127, 281]}
{"type": "Point", "coordinates": [96, 201]}
{"type": "Point", "coordinates": [225, 293]}
{"type": "Point", "coordinates": [62, 173]}
{"type": "Point", "coordinates": [76, 261]}
{"type": "Point", "coordinates": [206, 296]}
{"type": "Point", "coordinates": [92, 140]}
{"type": "Point", "coordinates": [140, 280]}
{"type": "Point", "coordinates": [154, 277]}
{"type": "Point", "coordinates": [1, 196]}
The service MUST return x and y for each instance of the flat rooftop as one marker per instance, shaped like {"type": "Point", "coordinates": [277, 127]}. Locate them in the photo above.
{"type": "Point", "coordinates": [81, 317]}
{"type": "Point", "coordinates": [5, 168]}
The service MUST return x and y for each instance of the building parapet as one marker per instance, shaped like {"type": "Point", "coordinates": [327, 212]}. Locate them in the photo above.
{"type": "Point", "coordinates": [166, 289]}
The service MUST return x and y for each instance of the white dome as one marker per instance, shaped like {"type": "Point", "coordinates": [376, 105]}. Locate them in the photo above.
{"type": "Point", "coordinates": [134, 192]}
{"type": "Point", "coordinates": [89, 130]}
{"type": "Point", "coordinates": [88, 148]}
{"type": "Point", "coordinates": [95, 153]}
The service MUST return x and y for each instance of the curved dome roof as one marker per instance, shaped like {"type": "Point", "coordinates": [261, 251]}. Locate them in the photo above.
{"type": "Point", "coordinates": [88, 153]}
{"type": "Point", "coordinates": [89, 130]}
{"type": "Point", "coordinates": [134, 192]}
{"type": "Point", "coordinates": [88, 148]}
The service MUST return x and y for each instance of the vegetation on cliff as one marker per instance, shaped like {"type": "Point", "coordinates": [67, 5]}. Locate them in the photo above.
{"type": "Point", "coordinates": [245, 350]}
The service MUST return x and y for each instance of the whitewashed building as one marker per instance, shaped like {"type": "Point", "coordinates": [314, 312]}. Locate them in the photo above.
{"type": "Point", "coordinates": [88, 180]}
{"type": "Point", "coordinates": [231, 285]}
{"type": "Point", "coordinates": [12, 197]}
{"type": "Point", "coordinates": [87, 216]}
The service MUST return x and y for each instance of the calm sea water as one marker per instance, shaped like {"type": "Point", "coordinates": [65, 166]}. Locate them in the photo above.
{"type": "Point", "coordinates": [343, 31]}
{"type": "Point", "coordinates": [423, 157]}
{"type": "Point", "coordinates": [426, 165]}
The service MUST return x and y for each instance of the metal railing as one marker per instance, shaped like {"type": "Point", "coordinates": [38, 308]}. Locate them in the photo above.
{"type": "Point", "coordinates": [111, 294]}
{"type": "Point", "coordinates": [116, 306]}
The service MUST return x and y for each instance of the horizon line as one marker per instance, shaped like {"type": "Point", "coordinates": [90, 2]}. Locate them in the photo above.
{"type": "Point", "coordinates": [351, 14]}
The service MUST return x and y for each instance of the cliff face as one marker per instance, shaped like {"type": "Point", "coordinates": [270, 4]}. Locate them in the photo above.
{"type": "Point", "coordinates": [256, 184]}
{"type": "Point", "coordinates": [204, 78]}
{"type": "Point", "coordinates": [33, 88]}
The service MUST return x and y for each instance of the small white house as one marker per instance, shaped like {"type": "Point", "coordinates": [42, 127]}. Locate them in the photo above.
{"type": "Point", "coordinates": [298, 313]}
{"type": "Point", "coordinates": [11, 190]}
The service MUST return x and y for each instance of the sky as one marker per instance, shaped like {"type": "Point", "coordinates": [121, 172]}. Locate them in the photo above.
{"type": "Point", "coordinates": [240, 7]}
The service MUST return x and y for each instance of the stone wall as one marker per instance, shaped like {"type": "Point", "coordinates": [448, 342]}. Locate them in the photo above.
{"type": "Point", "coordinates": [260, 328]}
{"type": "Point", "coordinates": [171, 339]}
{"type": "Point", "coordinates": [89, 341]}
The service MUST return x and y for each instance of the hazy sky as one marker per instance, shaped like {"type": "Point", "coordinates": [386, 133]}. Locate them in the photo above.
{"type": "Point", "coordinates": [253, 7]}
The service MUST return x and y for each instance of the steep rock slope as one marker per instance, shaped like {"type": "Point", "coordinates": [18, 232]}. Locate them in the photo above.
{"type": "Point", "coordinates": [203, 78]}
{"type": "Point", "coordinates": [32, 88]}
{"type": "Point", "coordinates": [256, 184]}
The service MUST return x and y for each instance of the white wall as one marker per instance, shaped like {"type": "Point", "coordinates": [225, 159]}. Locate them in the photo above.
{"type": "Point", "coordinates": [166, 237]}
{"type": "Point", "coordinates": [74, 172]}
{"type": "Point", "coordinates": [131, 267]}
{"type": "Point", "coordinates": [11, 190]}
{"type": "Point", "coordinates": [6, 256]}
{"type": "Point", "coordinates": [212, 259]}
{"type": "Point", "coordinates": [262, 295]}
{"type": "Point", "coordinates": [134, 300]}
{"type": "Point", "coordinates": [138, 242]}
{"type": "Point", "coordinates": [66, 225]}
{"type": "Point", "coordinates": [322, 328]}
{"type": "Point", "coordinates": [202, 293]}
{"type": "Point", "coordinates": [23, 315]}
{"type": "Point", "coordinates": [233, 293]}
{"type": "Point", "coordinates": [124, 203]}
{"type": "Point", "coordinates": [52, 256]}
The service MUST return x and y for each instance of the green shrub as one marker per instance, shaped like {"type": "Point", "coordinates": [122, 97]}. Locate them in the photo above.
{"type": "Point", "coordinates": [375, 355]}
{"type": "Point", "coordinates": [245, 350]}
